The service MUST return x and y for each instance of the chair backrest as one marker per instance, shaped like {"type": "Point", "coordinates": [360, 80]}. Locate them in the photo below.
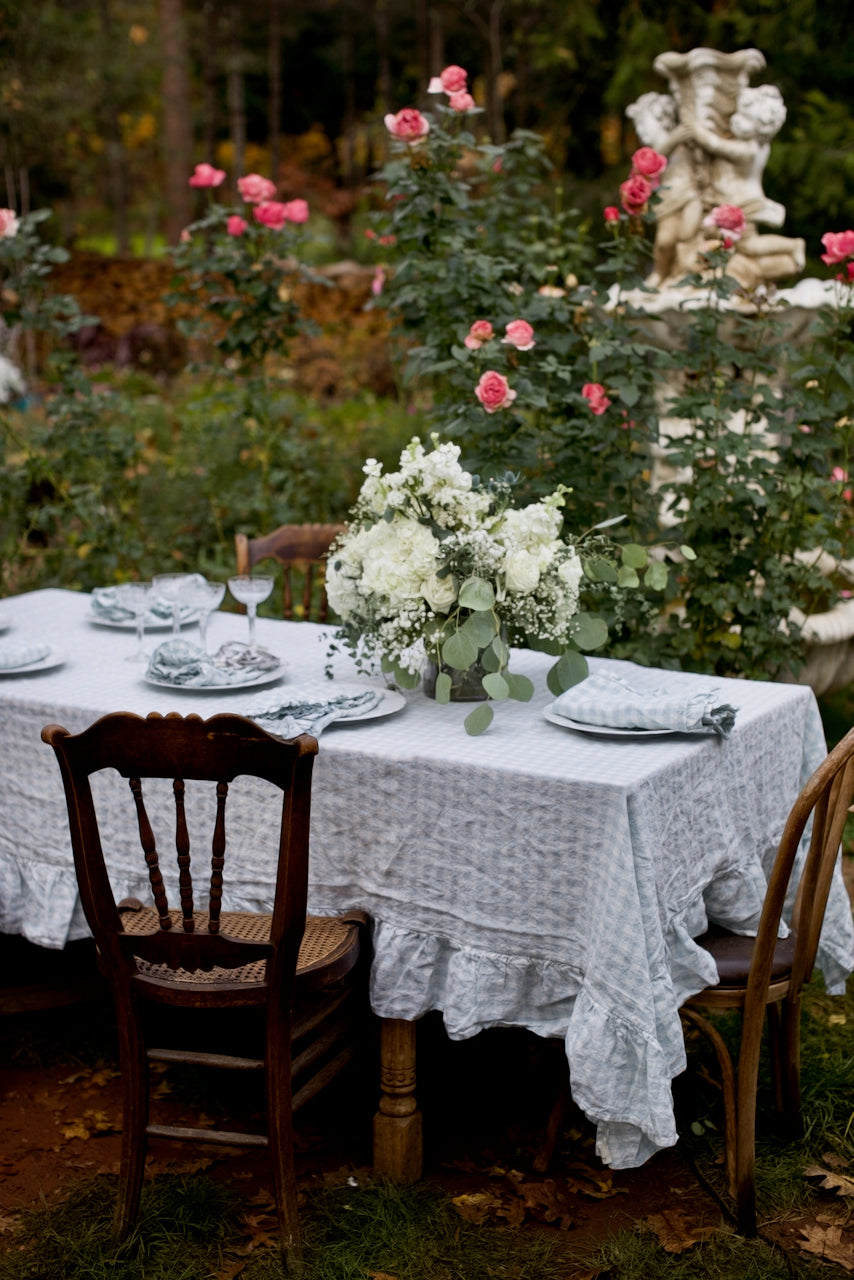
{"type": "Point", "coordinates": [299, 548]}
{"type": "Point", "coordinates": [825, 802]}
{"type": "Point", "coordinates": [180, 749]}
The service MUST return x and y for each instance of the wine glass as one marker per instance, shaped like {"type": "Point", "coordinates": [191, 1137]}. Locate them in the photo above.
{"type": "Point", "coordinates": [206, 597]}
{"type": "Point", "coordinates": [136, 597]}
{"type": "Point", "coordinates": [170, 587]}
{"type": "Point", "coordinates": [250, 590]}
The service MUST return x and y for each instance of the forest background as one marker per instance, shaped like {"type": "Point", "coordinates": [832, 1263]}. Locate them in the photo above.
{"type": "Point", "coordinates": [106, 105]}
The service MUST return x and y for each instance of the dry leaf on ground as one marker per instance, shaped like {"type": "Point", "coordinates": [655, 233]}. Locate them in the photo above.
{"type": "Point", "coordinates": [828, 1242]}
{"type": "Point", "coordinates": [88, 1125]}
{"type": "Point", "coordinates": [676, 1233]}
{"type": "Point", "coordinates": [841, 1183]}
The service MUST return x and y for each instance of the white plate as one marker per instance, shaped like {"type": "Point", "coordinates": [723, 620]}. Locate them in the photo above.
{"type": "Point", "coordinates": [5, 623]}
{"type": "Point", "coordinates": [53, 659]}
{"type": "Point", "coordinates": [152, 624]}
{"type": "Point", "coordinates": [390, 701]}
{"type": "Point", "coordinates": [263, 677]}
{"type": "Point", "coordinates": [602, 730]}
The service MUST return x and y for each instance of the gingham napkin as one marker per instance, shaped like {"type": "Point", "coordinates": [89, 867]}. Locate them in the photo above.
{"type": "Point", "coordinates": [21, 653]}
{"type": "Point", "coordinates": [105, 605]}
{"type": "Point", "coordinates": [311, 711]}
{"type": "Point", "coordinates": [181, 663]}
{"type": "Point", "coordinates": [607, 699]}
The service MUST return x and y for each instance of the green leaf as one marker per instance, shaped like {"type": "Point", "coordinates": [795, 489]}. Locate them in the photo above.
{"type": "Point", "coordinates": [496, 686]}
{"type": "Point", "coordinates": [570, 669]}
{"type": "Point", "coordinates": [479, 720]}
{"type": "Point", "coordinates": [627, 577]}
{"type": "Point", "coordinates": [598, 569]}
{"type": "Point", "coordinates": [480, 627]}
{"type": "Point", "coordinates": [635, 556]}
{"type": "Point", "coordinates": [476, 593]}
{"type": "Point", "coordinates": [656, 575]}
{"type": "Point", "coordinates": [459, 651]}
{"type": "Point", "coordinates": [521, 688]}
{"type": "Point", "coordinates": [443, 687]}
{"type": "Point", "coordinates": [589, 631]}
{"type": "Point", "coordinates": [502, 653]}
{"type": "Point", "coordinates": [688, 552]}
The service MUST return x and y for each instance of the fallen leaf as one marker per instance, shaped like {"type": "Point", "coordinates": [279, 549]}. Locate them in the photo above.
{"type": "Point", "coordinates": [475, 1206]}
{"type": "Point", "coordinates": [596, 1184]}
{"type": "Point", "coordinates": [828, 1242]}
{"type": "Point", "coordinates": [229, 1270]}
{"type": "Point", "coordinates": [674, 1230]}
{"type": "Point", "coordinates": [838, 1182]}
{"type": "Point", "coordinates": [90, 1124]}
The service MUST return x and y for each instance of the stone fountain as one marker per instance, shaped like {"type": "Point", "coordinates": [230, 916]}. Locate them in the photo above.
{"type": "Point", "coordinates": [716, 130]}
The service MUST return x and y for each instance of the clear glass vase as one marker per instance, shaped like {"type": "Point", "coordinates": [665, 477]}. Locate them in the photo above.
{"type": "Point", "coordinates": [466, 686]}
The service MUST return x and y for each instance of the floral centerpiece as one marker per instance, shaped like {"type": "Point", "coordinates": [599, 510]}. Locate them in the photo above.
{"type": "Point", "coordinates": [438, 567]}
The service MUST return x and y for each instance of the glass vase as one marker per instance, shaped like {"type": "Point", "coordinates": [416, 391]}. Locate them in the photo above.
{"type": "Point", "coordinates": [466, 686]}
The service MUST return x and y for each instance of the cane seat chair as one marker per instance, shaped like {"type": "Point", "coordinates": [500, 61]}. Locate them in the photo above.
{"type": "Point", "coordinates": [766, 973]}
{"type": "Point", "coordinates": [301, 550]}
{"type": "Point", "coordinates": [300, 974]}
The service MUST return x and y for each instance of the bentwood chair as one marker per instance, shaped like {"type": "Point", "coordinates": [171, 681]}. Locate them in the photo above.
{"type": "Point", "coordinates": [766, 973]}
{"type": "Point", "coordinates": [300, 974]}
{"type": "Point", "coordinates": [301, 550]}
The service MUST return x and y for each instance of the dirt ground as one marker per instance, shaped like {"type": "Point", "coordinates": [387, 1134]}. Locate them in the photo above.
{"type": "Point", "coordinates": [485, 1103]}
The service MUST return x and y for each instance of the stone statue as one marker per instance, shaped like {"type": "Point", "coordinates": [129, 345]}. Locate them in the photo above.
{"type": "Point", "coordinates": [716, 131]}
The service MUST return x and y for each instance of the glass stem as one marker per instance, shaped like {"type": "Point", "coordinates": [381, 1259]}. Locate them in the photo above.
{"type": "Point", "coordinates": [203, 630]}
{"type": "Point", "coordinates": [140, 632]}
{"type": "Point", "coordinates": [176, 620]}
{"type": "Point", "coordinates": [250, 609]}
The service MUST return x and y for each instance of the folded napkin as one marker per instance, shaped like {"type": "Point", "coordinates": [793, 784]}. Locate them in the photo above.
{"type": "Point", "coordinates": [607, 699]}
{"type": "Point", "coordinates": [21, 653]}
{"type": "Point", "coordinates": [311, 711]}
{"type": "Point", "coordinates": [179, 662]}
{"type": "Point", "coordinates": [105, 605]}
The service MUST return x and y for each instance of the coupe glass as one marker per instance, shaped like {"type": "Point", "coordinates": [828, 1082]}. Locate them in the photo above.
{"type": "Point", "coordinates": [250, 590]}
{"type": "Point", "coordinates": [206, 597]}
{"type": "Point", "coordinates": [136, 597]}
{"type": "Point", "coordinates": [171, 587]}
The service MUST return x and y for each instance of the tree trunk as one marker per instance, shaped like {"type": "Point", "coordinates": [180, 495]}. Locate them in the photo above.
{"type": "Point", "coordinates": [235, 89]}
{"type": "Point", "coordinates": [495, 105]}
{"type": "Point", "coordinates": [210, 75]}
{"type": "Point", "coordinates": [112, 129]}
{"type": "Point", "coordinates": [381, 29]}
{"type": "Point", "coordinates": [275, 75]}
{"type": "Point", "coordinates": [177, 119]}
{"type": "Point", "coordinates": [422, 48]}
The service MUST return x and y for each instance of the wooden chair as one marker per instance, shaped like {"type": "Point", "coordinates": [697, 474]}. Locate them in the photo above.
{"type": "Point", "coordinates": [766, 973]}
{"type": "Point", "coordinates": [300, 549]}
{"type": "Point", "coordinates": [298, 973]}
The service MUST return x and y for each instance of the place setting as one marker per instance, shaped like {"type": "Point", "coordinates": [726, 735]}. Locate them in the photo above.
{"type": "Point", "coordinates": [606, 704]}
{"type": "Point", "coordinates": [25, 657]}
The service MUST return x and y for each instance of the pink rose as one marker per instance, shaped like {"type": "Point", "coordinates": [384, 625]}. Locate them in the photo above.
{"type": "Point", "coordinates": [729, 218]}
{"type": "Point", "coordinates": [461, 102]}
{"type": "Point", "coordinates": [454, 79]}
{"type": "Point", "coordinates": [480, 332]}
{"type": "Point", "coordinates": [205, 175]}
{"type": "Point", "coordinates": [839, 246]}
{"type": "Point", "coordinates": [497, 164]}
{"type": "Point", "coordinates": [635, 193]}
{"type": "Point", "coordinates": [520, 335]}
{"type": "Point", "coordinates": [611, 213]}
{"type": "Point", "coordinates": [235, 226]}
{"type": "Point", "coordinates": [296, 211]}
{"type": "Point", "coordinates": [255, 189]}
{"type": "Point", "coordinates": [271, 214]}
{"type": "Point", "coordinates": [494, 392]}
{"type": "Point", "coordinates": [378, 282]}
{"type": "Point", "coordinates": [649, 164]}
{"type": "Point", "coordinates": [8, 223]}
{"type": "Point", "coordinates": [594, 394]}
{"type": "Point", "coordinates": [409, 125]}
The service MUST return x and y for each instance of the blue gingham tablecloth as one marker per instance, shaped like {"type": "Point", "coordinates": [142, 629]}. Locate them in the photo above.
{"type": "Point", "coordinates": [531, 877]}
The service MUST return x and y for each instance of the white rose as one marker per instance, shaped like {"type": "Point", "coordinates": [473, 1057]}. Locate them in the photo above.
{"type": "Point", "coordinates": [521, 572]}
{"type": "Point", "coordinates": [440, 593]}
{"type": "Point", "coordinates": [570, 572]}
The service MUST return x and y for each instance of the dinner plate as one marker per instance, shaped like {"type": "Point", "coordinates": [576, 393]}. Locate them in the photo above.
{"type": "Point", "coordinates": [53, 659]}
{"type": "Point", "coordinates": [5, 622]}
{"type": "Point", "coordinates": [390, 700]}
{"type": "Point", "coordinates": [261, 678]}
{"type": "Point", "coordinates": [602, 730]}
{"type": "Point", "coordinates": [151, 623]}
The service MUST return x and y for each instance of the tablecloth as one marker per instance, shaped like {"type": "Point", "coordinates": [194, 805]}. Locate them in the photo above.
{"type": "Point", "coordinates": [531, 877]}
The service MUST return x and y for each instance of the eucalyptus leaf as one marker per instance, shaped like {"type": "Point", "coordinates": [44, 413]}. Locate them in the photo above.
{"type": "Point", "coordinates": [627, 577]}
{"type": "Point", "coordinates": [479, 720]}
{"type": "Point", "coordinates": [656, 575]}
{"type": "Point", "coordinates": [598, 569]}
{"type": "Point", "coordinates": [404, 678]}
{"type": "Point", "coordinates": [476, 593]}
{"type": "Point", "coordinates": [589, 631]}
{"type": "Point", "coordinates": [499, 648]}
{"type": "Point", "coordinates": [496, 686]}
{"type": "Point", "coordinates": [570, 669]}
{"type": "Point", "coordinates": [443, 687]}
{"type": "Point", "coordinates": [480, 627]}
{"type": "Point", "coordinates": [459, 651]}
{"type": "Point", "coordinates": [634, 556]}
{"type": "Point", "coordinates": [688, 552]}
{"type": "Point", "coordinates": [521, 688]}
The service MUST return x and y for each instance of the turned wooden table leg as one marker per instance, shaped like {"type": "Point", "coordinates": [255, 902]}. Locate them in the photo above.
{"type": "Point", "coordinates": [397, 1124]}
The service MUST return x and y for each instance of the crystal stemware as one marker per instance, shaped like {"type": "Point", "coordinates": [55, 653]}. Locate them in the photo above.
{"type": "Point", "coordinates": [170, 587]}
{"type": "Point", "coordinates": [205, 596]}
{"type": "Point", "coordinates": [251, 589]}
{"type": "Point", "coordinates": [136, 597]}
